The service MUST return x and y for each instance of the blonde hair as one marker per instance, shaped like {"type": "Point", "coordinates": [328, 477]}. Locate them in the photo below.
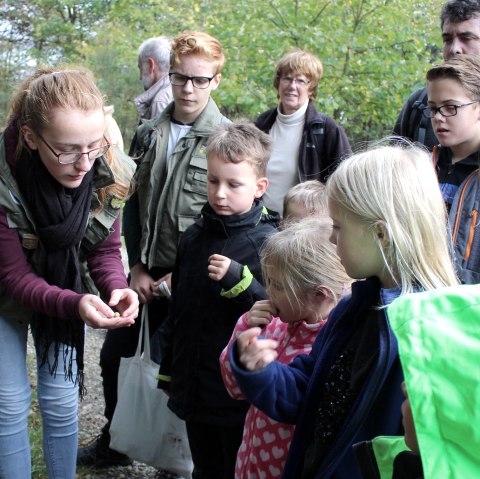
{"type": "Point", "coordinates": [241, 141]}
{"type": "Point", "coordinates": [303, 259]}
{"type": "Point", "coordinates": [300, 62]}
{"type": "Point", "coordinates": [465, 69]}
{"type": "Point", "coordinates": [197, 43]}
{"type": "Point", "coordinates": [396, 186]}
{"type": "Point", "coordinates": [311, 195]}
{"type": "Point", "coordinates": [62, 88]}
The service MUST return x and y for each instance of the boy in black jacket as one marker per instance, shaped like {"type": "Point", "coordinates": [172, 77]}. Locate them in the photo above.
{"type": "Point", "coordinates": [216, 279]}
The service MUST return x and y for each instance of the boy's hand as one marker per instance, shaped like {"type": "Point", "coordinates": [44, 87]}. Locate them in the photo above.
{"type": "Point", "coordinates": [261, 313]}
{"type": "Point", "coordinates": [142, 283]}
{"type": "Point", "coordinates": [255, 353]}
{"type": "Point", "coordinates": [167, 278]}
{"type": "Point", "coordinates": [218, 266]}
{"type": "Point", "coordinates": [163, 286]}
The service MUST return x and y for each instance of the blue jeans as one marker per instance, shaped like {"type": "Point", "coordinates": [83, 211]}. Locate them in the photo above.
{"type": "Point", "coordinates": [58, 400]}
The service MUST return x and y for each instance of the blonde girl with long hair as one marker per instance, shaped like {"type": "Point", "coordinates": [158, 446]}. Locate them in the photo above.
{"type": "Point", "coordinates": [390, 232]}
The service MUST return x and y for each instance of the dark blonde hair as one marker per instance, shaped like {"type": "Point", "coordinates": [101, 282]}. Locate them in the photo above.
{"type": "Point", "coordinates": [197, 43]}
{"type": "Point", "coordinates": [465, 69]}
{"type": "Point", "coordinates": [300, 62]}
{"type": "Point", "coordinates": [68, 89]}
{"type": "Point", "coordinates": [302, 259]}
{"type": "Point", "coordinates": [311, 195]}
{"type": "Point", "coordinates": [241, 141]}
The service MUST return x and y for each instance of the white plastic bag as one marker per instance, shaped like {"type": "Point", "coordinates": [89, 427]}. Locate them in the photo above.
{"type": "Point", "coordinates": [142, 426]}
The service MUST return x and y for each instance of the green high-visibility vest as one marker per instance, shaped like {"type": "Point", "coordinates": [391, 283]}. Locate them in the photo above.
{"type": "Point", "coordinates": [438, 334]}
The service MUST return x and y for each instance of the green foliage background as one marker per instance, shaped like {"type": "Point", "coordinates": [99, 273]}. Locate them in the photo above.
{"type": "Point", "coordinates": [375, 52]}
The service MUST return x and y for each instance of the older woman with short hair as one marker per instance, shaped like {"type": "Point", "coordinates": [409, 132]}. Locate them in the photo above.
{"type": "Point", "coordinates": [307, 144]}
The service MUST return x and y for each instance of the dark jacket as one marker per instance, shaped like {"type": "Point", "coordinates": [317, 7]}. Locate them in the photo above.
{"type": "Point", "coordinates": [459, 186]}
{"type": "Point", "coordinates": [412, 124]}
{"type": "Point", "coordinates": [324, 143]}
{"type": "Point", "coordinates": [387, 456]}
{"type": "Point", "coordinates": [463, 222]}
{"type": "Point", "coordinates": [291, 393]}
{"type": "Point", "coordinates": [203, 316]}
{"type": "Point", "coordinates": [452, 175]}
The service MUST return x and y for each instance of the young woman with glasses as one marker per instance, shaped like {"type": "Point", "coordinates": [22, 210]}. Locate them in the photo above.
{"type": "Point", "coordinates": [61, 189]}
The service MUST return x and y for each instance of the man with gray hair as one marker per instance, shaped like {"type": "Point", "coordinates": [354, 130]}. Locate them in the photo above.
{"type": "Point", "coordinates": [154, 65]}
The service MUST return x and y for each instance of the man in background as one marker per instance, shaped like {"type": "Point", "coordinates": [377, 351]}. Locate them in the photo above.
{"type": "Point", "coordinates": [154, 65]}
{"type": "Point", "coordinates": [460, 24]}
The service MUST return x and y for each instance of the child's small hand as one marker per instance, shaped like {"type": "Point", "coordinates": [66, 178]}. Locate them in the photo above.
{"type": "Point", "coordinates": [261, 313]}
{"type": "Point", "coordinates": [218, 266]}
{"type": "Point", "coordinates": [409, 426]}
{"type": "Point", "coordinates": [256, 353]}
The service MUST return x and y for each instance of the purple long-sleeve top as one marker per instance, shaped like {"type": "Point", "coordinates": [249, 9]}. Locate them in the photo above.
{"type": "Point", "coordinates": [19, 282]}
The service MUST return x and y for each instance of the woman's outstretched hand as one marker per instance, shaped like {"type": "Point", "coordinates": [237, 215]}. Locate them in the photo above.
{"type": "Point", "coordinates": [96, 314]}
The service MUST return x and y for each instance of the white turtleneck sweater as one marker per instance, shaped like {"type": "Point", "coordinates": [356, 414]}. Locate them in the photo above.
{"type": "Point", "coordinates": [282, 169]}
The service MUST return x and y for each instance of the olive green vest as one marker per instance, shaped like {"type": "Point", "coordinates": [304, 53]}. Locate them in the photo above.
{"type": "Point", "coordinates": [171, 192]}
{"type": "Point", "coordinates": [99, 225]}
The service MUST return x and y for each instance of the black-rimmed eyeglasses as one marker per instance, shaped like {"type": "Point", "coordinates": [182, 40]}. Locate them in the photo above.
{"type": "Point", "coordinates": [444, 110]}
{"type": "Point", "coordinates": [201, 83]}
{"type": "Point", "coordinates": [73, 157]}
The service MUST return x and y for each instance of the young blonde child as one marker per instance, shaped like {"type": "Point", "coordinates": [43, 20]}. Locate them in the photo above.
{"type": "Point", "coordinates": [304, 280]}
{"type": "Point", "coordinates": [389, 226]}
{"type": "Point", "coordinates": [305, 199]}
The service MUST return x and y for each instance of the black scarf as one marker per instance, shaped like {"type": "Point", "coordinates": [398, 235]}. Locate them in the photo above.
{"type": "Point", "coordinates": [60, 216]}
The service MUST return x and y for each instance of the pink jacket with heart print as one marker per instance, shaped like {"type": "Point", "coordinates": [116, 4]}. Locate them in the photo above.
{"type": "Point", "coordinates": [265, 442]}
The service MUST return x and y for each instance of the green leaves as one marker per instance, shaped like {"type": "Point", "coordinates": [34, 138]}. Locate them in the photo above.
{"type": "Point", "coordinates": [375, 52]}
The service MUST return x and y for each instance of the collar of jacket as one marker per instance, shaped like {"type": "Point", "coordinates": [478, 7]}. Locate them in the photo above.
{"type": "Point", "coordinates": [103, 174]}
{"type": "Point", "coordinates": [203, 125]}
{"type": "Point", "coordinates": [444, 156]}
{"type": "Point", "coordinates": [234, 224]}
{"type": "Point", "coordinates": [266, 120]}
{"type": "Point", "coordinates": [362, 291]}
{"type": "Point", "coordinates": [143, 101]}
